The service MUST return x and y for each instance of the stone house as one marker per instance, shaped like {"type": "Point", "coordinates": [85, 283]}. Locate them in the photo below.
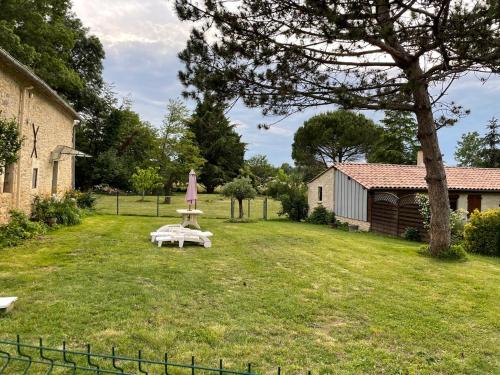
{"type": "Point", "coordinates": [46, 124]}
{"type": "Point", "coordinates": [382, 197]}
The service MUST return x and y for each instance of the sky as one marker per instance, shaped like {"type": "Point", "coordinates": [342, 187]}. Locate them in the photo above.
{"type": "Point", "coordinates": [143, 37]}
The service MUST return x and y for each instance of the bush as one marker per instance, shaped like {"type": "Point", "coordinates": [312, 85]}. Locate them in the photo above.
{"type": "Point", "coordinates": [457, 219]}
{"type": "Point", "coordinates": [343, 225]}
{"type": "Point", "coordinates": [294, 204]}
{"type": "Point", "coordinates": [412, 234]}
{"type": "Point", "coordinates": [19, 228]}
{"type": "Point", "coordinates": [482, 233]}
{"type": "Point", "coordinates": [320, 215]}
{"type": "Point", "coordinates": [85, 200]}
{"type": "Point", "coordinates": [65, 211]}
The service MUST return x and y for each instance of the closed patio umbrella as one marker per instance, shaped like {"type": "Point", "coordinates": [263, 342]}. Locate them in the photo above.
{"type": "Point", "coordinates": [192, 190]}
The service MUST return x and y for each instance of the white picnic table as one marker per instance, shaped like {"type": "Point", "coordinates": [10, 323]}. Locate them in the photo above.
{"type": "Point", "coordinates": [190, 217]}
{"type": "Point", "coordinates": [177, 233]}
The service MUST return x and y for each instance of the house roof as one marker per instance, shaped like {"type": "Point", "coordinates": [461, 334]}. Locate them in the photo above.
{"type": "Point", "coordinates": [394, 176]}
{"type": "Point", "coordinates": [26, 72]}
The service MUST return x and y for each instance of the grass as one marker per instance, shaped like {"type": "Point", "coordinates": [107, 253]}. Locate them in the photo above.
{"type": "Point", "coordinates": [270, 293]}
{"type": "Point", "coordinates": [213, 205]}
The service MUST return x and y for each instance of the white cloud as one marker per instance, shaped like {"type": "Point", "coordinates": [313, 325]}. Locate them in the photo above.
{"type": "Point", "coordinates": [118, 22]}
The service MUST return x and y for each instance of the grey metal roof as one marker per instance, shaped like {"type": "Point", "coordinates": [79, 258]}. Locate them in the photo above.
{"type": "Point", "coordinates": [37, 81]}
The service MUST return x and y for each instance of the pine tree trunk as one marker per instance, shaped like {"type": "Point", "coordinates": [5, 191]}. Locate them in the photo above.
{"type": "Point", "coordinates": [440, 235]}
{"type": "Point", "coordinates": [240, 208]}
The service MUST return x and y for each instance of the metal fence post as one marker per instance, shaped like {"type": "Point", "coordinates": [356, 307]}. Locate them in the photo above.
{"type": "Point", "coordinates": [117, 202]}
{"type": "Point", "coordinates": [248, 213]}
{"type": "Point", "coordinates": [264, 214]}
{"type": "Point", "coordinates": [232, 208]}
{"type": "Point", "coordinates": [157, 204]}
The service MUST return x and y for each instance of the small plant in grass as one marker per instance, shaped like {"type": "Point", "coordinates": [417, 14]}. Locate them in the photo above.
{"type": "Point", "coordinates": [454, 252]}
{"type": "Point", "coordinates": [240, 188]}
{"type": "Point", "coordinates": [412, 234]}
{"type": "Point", "coordinates": [482, 232]}
{"type": "Point", "coordinates": [19, 228]}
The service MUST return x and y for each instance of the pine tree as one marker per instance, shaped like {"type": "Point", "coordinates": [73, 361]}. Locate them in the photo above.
{"type": "Point", "coordinates": [219, 143]}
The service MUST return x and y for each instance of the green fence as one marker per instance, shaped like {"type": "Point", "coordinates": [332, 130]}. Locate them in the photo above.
{"type": "Point", "coordinates": [18, 357]}
{"type": "Point", "coordinates": [212, 205]}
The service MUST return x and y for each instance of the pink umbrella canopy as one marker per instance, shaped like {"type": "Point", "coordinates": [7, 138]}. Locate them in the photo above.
{"type": "Point", "coordinates": [192, 189]}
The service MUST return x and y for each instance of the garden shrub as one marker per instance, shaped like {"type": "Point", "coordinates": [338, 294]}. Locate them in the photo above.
{"type": "Point", "coordinates": [412, 234]}
{"type": "Point", "coordinates": [294, 204]}
{"type": "Point", "coordinates": [320, 215]}
{"type": "Point", "coordinates": [85, 200]}
{"type": "Point", "coordinates": [66, 211]}
{"type": "Point", "coordinates": [342, 225]}
{"type": "Point", "coordinates": [482, 232]}
{"type": "Point", "coordinates": [457, 218]}
{"type": "Point", "coordinates": [19, 228]}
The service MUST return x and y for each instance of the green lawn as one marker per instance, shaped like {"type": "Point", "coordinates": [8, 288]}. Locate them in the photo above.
{"type": "Point", "coordinates": [270, 293]}
{"type": "Point", "coordinates": [214, 206]}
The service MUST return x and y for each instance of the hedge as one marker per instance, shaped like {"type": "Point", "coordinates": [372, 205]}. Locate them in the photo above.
{"type": "Point", "coordinates": [482, 232]}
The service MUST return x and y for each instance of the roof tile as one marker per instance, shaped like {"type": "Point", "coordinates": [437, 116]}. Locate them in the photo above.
{"type": "Point", "coordinates": [394, 176]}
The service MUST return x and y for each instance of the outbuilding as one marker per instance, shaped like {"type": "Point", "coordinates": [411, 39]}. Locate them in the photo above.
{"type": "Point", "coordinates": [46, 123]}
{"type": "Point", "coordinates": [382, 197]}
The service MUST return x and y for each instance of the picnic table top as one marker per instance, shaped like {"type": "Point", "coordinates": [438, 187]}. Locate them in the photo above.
{"type": "Point", "coordinates": [189, 212]}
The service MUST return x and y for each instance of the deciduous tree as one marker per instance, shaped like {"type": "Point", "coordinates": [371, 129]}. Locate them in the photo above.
{"type": "Point", "coordinates": [240, 188]}
{"type": "Point", "coordinates": [288, 55]}
{"type": "Point", "coordinates": [178, 152]}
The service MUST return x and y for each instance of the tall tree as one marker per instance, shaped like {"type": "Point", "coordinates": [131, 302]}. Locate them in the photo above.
{"type": "Point", "coordinates": [332, 137]}
{"type": "Point", "coordinates": [218, 141]}
{"type": "Point", "coordinates": [468, 152]}
{"type": "Point", "coordinates": [178, 152]}
{"type": "Point", "coordinates": [287, 55]}
{"type": "Point", "coordinates": [260, 170]}
{"type": "Point", "coordinates": [476, 151]}
{"type": "Point", "coordinates": [397, 143]}
{"type": "Point", "coordinates": [50, 39]}
{"type": "Point", "coordinates": [491, 151]}
{"type": "Point", "coordinates": [118, 141]}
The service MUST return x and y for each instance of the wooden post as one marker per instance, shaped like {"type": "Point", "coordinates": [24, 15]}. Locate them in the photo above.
{"type": "Point", "coordinates": [117, 202]}
{"type": "Point", "coordinates": [265, 209]}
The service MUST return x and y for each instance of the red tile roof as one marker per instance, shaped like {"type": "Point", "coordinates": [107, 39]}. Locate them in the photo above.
{"type": "Point", "coordinates": [394, 176]}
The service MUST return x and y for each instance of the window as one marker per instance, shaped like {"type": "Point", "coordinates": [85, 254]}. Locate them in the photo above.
{"type": "Point", "coordinates": [34, 179]}
{"type": "Point", "coordinates": [453, 201]}
{"type": "Point", "coordinates": [320, 193]}
{"type": "Point", "coordinates": [55, 172]}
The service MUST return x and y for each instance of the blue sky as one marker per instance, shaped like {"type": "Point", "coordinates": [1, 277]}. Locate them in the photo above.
{"type": "Point", "coordinates": [142, 39]}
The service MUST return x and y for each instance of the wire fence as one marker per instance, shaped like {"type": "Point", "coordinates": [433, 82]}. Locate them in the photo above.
{"type": "Point", "coordinates": [17, 357]}
{"type": "Point", "coordinates": [212, 205]}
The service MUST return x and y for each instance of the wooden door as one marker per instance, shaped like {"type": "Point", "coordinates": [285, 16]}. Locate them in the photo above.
{"type": "Point", "coordinates": [473, 202]}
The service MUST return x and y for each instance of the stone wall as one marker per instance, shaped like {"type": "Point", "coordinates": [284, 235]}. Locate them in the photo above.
{"type": "Point", "coordinates": [19, 99]}
{"type": "Point", "coordinates": [326, 181]}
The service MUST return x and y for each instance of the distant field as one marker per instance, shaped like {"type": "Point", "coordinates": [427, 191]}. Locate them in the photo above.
{"type": "Point", "coordinates": [213, 206]}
